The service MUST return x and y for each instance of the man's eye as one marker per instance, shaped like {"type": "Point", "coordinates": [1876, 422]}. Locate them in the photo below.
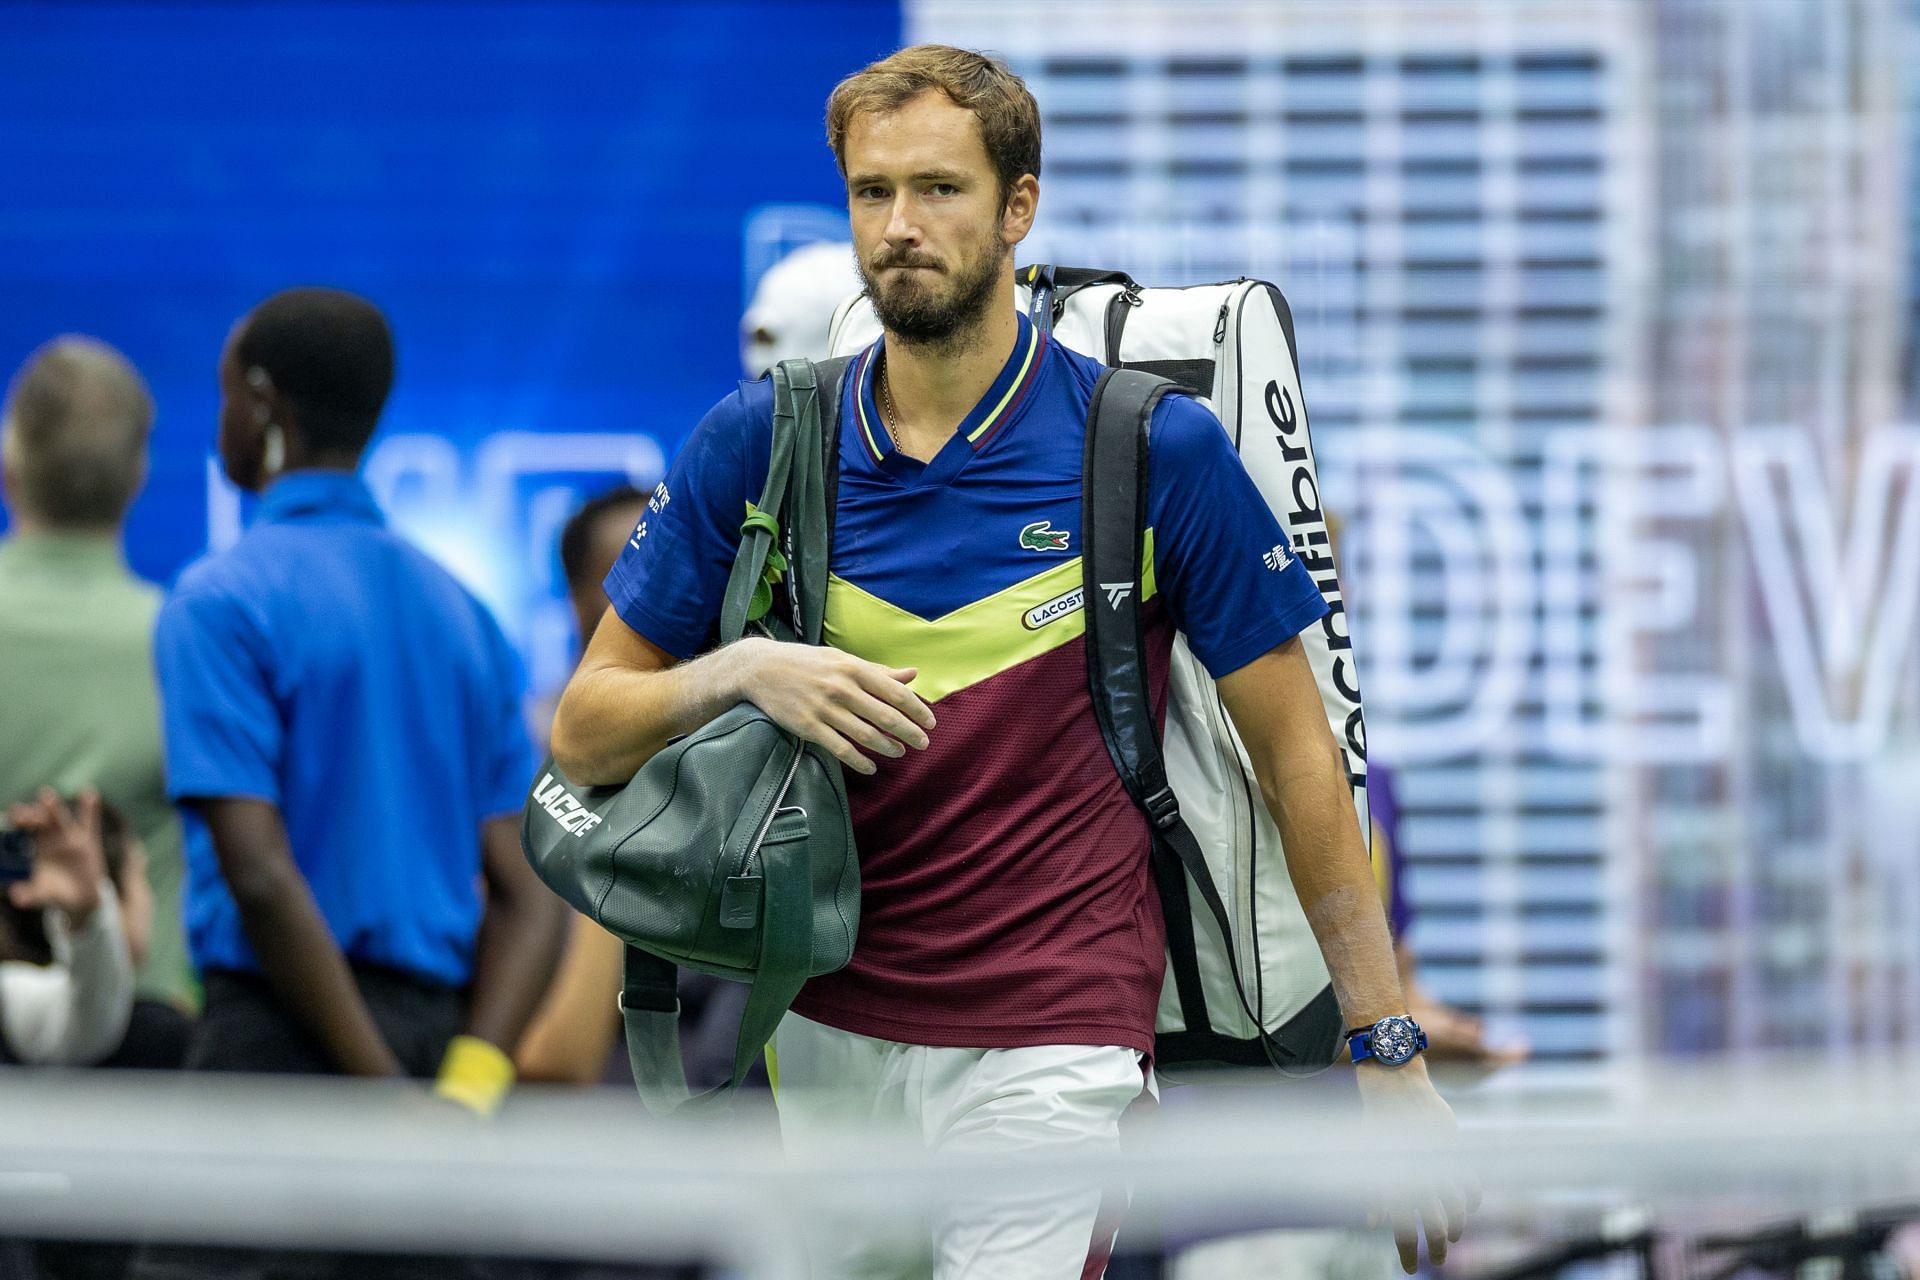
{"type": "Point", "coordinates": [944, 189]}
{"type": "Point", "coordinates": [872, 193]}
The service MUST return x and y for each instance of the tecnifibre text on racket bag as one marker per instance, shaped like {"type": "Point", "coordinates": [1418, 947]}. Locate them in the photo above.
{"type": "Point", "coordinates": [1232, 345]}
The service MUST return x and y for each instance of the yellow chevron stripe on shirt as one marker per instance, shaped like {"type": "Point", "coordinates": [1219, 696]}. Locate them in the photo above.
{"type": "Point", "coordinates": [976, 641]}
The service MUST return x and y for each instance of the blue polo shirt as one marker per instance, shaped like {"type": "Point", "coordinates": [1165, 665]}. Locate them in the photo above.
{"type": "Point", "coordinates": [331, 668]}
{"type": "Point", "coordinates": [1005, 895]}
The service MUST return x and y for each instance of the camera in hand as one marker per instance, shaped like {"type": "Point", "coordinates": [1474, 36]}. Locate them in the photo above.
{"type": "Point", "coordinates": [16, 855]}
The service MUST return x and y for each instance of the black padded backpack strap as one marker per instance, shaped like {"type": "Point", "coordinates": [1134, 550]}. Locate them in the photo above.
{"type": "Point", "coordinates": [1113, 529]}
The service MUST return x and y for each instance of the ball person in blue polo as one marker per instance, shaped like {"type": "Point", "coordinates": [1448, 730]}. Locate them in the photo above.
{"type": "Point", "coordinates": [344, 737]}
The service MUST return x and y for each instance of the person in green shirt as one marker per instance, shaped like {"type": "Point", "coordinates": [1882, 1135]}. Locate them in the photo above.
{"type": "Point", "coordinates": [78, 701]}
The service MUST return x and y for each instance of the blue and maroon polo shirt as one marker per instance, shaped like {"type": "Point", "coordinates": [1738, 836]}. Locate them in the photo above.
{"type": "Point", "coordinates": [1005, 893]}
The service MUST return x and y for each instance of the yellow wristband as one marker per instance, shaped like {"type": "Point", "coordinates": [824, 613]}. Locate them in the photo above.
{"type": "Point", "coordinates": [474, 1074]}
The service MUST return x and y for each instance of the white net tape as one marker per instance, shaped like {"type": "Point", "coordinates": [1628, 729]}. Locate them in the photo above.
{"type": "Point", "coordinates": [330, 1164]}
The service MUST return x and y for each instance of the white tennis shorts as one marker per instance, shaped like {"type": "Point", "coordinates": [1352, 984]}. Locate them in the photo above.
{"type": "Point", "coordinates": [973, 1103]}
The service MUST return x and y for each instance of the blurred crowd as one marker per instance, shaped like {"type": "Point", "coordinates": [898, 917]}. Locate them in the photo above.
{"type": "Point", "coordinates": [268, 821]}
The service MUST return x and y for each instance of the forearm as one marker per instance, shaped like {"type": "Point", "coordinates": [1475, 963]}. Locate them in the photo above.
{"type": "Point", "coordinates": [515, 954]}
{"type": "Point", "coordinates": [309, 974]}
{"type": "Point", "coordinates": [569, 1038]}
{"type": "Point", "coordinates": [102, 985]}
{"type": "Point", "coordinates": [73, 1012]}
{"type": "Point", "coordinates": [1310, 803]}
{"type": "Point", "coordinates": [613, 718]}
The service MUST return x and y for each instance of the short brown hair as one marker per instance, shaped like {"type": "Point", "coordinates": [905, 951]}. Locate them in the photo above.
{"type": "Point", "coordinates": [1009, 117]}
{"type": "Point", "coordinates": [75, 439]}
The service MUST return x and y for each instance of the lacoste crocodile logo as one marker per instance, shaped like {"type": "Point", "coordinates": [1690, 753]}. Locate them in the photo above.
{"type": "Point", "coordinates": [1042, 536]}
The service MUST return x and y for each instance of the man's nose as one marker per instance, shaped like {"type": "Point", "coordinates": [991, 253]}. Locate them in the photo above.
{"type": "Point", "coordinates": [902, 227]}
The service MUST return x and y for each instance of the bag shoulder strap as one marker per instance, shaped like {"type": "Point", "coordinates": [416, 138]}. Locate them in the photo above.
{"type": "Point", "coordinates": [1113, 526]}
{"type": "Point", "coordinates": [801, 490]}
{"type": "Point", "coordinates": [650, 991]}
{"type": "Point", "coordinates": [817, 492]}
{"type": "Point", "coordinates": [832, 376]}
{"type": "Point", "coordinates": [760, 531]}
{"type": "Point", "coordinates": [1051, 286]}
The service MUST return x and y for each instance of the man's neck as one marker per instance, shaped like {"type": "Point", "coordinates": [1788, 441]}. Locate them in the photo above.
{"type": "Point", "coordinates": [26, 526]}
{"type": "Point", "coordinates": [933, 387]}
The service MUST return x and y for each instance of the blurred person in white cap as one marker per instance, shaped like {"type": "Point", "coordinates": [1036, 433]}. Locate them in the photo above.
{"type": "Point", "coordinates": [793, 305]}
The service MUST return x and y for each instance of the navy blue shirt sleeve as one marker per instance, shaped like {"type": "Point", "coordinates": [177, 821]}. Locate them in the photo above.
{"type": "Point", "coordinates": [671, 577]}
{"type": "Point", "coordinates": [220, 718]}
{"type": "Point", "coordinates": [1222, 561]}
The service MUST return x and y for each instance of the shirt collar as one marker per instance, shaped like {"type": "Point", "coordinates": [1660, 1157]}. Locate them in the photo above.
{"type": "Point", "coordinates": [319, 492]}
{"type": "Point", "coordinates": [71, 553]}
{"type": "Point", "coordinates": [999, 406]}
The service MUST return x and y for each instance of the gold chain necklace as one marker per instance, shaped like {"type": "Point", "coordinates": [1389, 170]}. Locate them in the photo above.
{"type": "Point", "coordinates": [887, 414]}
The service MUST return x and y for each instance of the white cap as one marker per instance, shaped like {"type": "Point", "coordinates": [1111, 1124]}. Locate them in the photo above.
{"type": "Point", "coordinates": [794, 304]}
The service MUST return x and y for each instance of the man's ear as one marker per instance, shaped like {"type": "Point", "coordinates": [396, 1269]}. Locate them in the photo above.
{"type": "Point", "coordinates": [1023, 202]}
{"type": "Point", "coordinates": [266, 404]}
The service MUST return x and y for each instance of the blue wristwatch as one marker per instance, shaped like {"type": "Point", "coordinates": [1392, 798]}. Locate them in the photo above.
{"type": "Point", "coordinates": [1391, 1042]}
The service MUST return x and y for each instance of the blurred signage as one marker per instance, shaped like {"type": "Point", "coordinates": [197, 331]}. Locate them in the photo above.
{"type": "Point", "coordinates": [1616, 560]}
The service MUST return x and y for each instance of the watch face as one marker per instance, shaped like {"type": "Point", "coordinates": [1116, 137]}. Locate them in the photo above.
{"type": "Point", "coordinates": [1395, 1040]}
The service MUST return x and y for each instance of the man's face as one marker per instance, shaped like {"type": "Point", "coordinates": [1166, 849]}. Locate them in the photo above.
{"type": "Point", "coordinates": [931, 234]}
{"type": "Point", "coordinates": [241, 431]}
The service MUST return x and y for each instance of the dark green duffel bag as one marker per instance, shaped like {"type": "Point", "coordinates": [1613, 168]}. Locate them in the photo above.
{"type": "Point", "coordinates": [731, 850]}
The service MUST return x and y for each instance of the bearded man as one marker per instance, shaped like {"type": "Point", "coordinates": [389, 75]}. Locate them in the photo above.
{"type": "Point", "coordinates": [1003, 990]}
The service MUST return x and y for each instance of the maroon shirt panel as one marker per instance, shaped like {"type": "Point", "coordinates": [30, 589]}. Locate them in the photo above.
{"type": "Point", "coordinates": [1005, 895]}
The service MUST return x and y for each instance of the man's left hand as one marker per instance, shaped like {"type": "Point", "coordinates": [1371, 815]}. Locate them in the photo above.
{"type": "Point", "coordinates": [1401, 1100]}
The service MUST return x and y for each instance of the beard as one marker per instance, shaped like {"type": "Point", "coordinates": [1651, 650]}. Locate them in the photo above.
{"type": "Point", "coordinates": [915, 309]}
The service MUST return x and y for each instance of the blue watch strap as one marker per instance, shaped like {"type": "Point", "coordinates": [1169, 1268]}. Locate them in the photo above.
{"type": "Point", "coordinates": [1360, 1043]}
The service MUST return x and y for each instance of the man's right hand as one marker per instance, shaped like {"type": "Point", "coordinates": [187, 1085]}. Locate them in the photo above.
{"type": "Point", "coordinates": [629, 698]}
{"type": "Point", "coordinates": [853, 708]}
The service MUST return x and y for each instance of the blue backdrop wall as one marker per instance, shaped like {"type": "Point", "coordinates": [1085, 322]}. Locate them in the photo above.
{"type": "Point", "coordinates": [548, 200]}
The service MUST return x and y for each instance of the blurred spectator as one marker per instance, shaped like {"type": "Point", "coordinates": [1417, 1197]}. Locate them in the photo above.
{"type": "Point", "coordinates": [589, 544]}
{"type": "Point", "coordinates": [576, 1037]}
{"type": "Point", "coordinates": [71, 935]}
{"type": "Point", "coordinates": [344, 733]}
{"type": "Point", "coordinates": [67, 943]}
{"type": "Point", "coordinates": [793, 306]}
{"type": "Point", "coordinates": [77, 700]}
{"type": "Point", "coordinates": [1457, 1042]}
